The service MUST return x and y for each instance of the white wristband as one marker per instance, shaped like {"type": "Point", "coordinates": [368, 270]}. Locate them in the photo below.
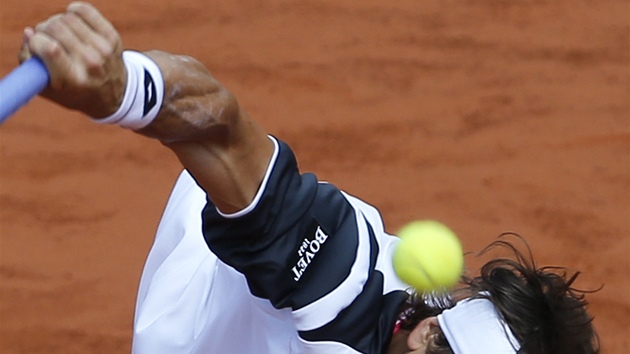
{"type": "Point", "coordinates": [144, 93]}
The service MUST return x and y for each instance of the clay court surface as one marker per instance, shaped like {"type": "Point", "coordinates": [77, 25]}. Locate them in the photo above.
{"type": "Point", "coordinates": [489, 115]}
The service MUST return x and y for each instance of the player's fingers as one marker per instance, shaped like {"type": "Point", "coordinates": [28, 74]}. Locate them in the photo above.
{"type": "Point", "coordinates": [60, 29]}
{"type": "Point", "coordinates": [95, 20]}
{"type": "Point", "coordinates": [87, 35]}
{"type": "Point", "coordinates": [43, 45]}
{"type": "Point", "coordinates": [53, 54]}
{"type": "Point", "coordinates": [56, 29]}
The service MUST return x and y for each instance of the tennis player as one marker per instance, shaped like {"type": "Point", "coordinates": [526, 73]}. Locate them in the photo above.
{"type": "Point", "coordinates": [251, 256]}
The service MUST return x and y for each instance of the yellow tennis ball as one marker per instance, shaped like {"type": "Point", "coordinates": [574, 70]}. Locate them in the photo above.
{"type": "Point", "coordinates": [429, 256]}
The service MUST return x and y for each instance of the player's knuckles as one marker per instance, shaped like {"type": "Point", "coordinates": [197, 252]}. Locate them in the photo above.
{"type": "Point", "coordinates": [71, 20]}
{"type": "Point", "coordinates": [106, 47]}
{"type": "Point", "coordinates": [54, 26]}
{"type": "Point", "coordinates": [41, 27]}
{"type": "Point", "coordinates": [86, 12]}
{"type": "Point", "coordinates": [93, 61]}
{"type": "Point", "coordinates": [81, 8]}
{"type": "Point", "coordinates": [44, 46]}
{"type": "Point", "coordinates": [111, 36]}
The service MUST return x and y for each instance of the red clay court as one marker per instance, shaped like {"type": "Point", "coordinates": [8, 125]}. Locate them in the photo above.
{"type": "Point", "coordinates": [488, 115]}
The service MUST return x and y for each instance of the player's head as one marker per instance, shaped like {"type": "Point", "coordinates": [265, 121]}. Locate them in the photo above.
{"type": "Point", "coordinates": [512, 305]}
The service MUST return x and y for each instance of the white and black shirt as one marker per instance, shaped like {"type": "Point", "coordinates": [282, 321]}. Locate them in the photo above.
{"type": "Point", "coordinates": [305, 268]}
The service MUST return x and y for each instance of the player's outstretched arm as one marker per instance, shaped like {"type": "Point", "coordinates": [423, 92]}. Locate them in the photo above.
{"type": "Point", "coordinates": [214, 138]}
{"type": "Point", "coordinates": [200, 120]}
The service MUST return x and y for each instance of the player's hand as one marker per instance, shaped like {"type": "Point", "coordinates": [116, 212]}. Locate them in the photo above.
{"type": "Point", "coordinates": [83, 53]}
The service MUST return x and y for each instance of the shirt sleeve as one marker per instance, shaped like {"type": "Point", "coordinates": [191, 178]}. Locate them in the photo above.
{"type": "Point", "coordinates": [303, 245]}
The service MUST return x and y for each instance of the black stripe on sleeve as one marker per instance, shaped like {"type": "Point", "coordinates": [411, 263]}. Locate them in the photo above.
{"type": "Point", "coordinates": [367, 324]}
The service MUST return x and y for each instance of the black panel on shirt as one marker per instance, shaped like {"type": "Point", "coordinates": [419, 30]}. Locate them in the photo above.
{"type": "Point", "coordinates": [265, 244]}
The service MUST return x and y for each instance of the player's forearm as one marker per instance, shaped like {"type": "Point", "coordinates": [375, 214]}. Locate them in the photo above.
{"type": "Point", "coordinates": [196, 107]}
{"type": "Point", "coordinates": [179, 103]}
{"type": "Point", "coordinates": [202, 123]}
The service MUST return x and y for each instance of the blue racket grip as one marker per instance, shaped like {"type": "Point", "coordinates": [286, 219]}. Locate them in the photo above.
{"type": "Point", "coordinates": [21, 85]}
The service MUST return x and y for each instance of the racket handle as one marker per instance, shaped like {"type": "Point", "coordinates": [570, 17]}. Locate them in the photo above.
{"type": "Point", "coordinates": [21, 85]}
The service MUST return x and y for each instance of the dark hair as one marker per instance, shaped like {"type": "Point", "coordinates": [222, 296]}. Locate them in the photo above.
{"type": "Point", "coordinates": [545, 312]}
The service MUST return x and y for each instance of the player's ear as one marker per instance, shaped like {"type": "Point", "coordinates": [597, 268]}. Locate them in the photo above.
{"type": "Point", "coordinates": [419, 337]}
